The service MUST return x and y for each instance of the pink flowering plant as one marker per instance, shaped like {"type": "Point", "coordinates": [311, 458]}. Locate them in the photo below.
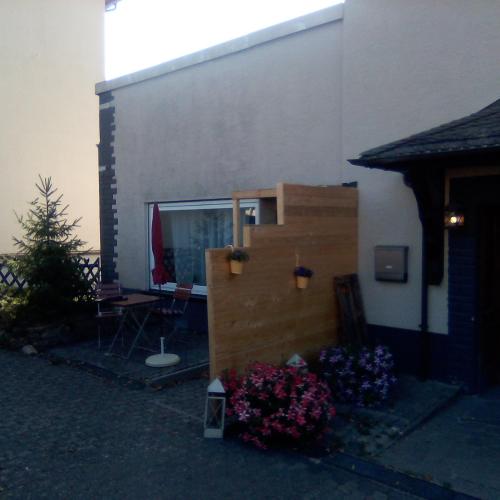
{"type": "Point", "coordinates": [361, 376]}
{"type": "Point", "coordinates": [271, 405]}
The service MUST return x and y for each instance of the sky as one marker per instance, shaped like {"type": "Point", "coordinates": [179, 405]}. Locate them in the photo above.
{"type": "Point", "coordinates": [143, 33]}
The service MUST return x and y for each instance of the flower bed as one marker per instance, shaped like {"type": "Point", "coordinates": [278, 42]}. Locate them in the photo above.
{"type": "Point", "coordinates": [361, 376]}
{"type": "Point", "coordinates": [278, 405]}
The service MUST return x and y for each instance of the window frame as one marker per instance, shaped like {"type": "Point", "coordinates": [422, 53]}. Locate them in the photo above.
{"type": "Point", "coordinates": [172, 206]}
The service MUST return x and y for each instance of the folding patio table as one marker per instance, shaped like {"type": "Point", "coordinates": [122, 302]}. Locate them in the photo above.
{"type": "Point", "coordinates": [132, 305]}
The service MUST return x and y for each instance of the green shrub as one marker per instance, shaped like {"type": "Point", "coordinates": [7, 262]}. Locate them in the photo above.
{"type": "Point", "coordinates": [54, 282]}
{"type": "Point", "coordinates": [13, 306]}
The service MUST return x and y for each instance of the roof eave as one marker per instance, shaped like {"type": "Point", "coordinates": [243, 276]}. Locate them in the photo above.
{"type": "Point", "coordinates": [392, 165]}
{"type": "Point", "coordinates": [402, 163]}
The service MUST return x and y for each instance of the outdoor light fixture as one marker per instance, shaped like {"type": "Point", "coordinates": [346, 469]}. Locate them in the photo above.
{"type": "Point", "coordinates": [215, 410]}
{"type": "Point", "coordinates": [453, 217]}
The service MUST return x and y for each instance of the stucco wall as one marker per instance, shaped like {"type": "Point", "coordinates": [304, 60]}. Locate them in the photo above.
{"type": "Point", "coordinates": [51, 55]}
{"type": "Point", "coordinates": [248, 120]}
{"type": "Point", "coordinates": [294, 110]}
{"type": "Point", "coordinates": [409, 66]}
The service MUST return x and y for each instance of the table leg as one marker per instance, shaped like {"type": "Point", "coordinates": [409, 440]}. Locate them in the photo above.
{"type": "Point", "coordinates": [140, 331]}
{"type": "Point", "coordinates": [118, 332]}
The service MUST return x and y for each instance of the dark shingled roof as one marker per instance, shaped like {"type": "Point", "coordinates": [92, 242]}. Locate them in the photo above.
{"type": "Point", "coordinates": [479, 132]}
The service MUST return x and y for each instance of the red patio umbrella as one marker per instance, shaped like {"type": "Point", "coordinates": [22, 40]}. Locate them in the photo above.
{"type": "Point", "coordinates": [160, 274]}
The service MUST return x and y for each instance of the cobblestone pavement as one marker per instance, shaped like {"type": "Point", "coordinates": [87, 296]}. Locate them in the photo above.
{"type": "Point", "coordinates": [67, 434]}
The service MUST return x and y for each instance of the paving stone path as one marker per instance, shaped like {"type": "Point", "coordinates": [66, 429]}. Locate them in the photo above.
{"type": "Point", "coordinates": [459, 447]}
{"type": "Point", "coordinates": [65, 433]}
{"type": "Point", "coordinates": [367, 432]}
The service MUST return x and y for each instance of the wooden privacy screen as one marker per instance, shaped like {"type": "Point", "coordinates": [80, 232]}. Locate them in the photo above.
{"type": "Point", "coordinates": [260, 315]}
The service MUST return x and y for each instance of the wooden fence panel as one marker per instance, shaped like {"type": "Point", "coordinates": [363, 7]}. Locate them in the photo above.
{"type": "Point", "coordinates": [261, 315]}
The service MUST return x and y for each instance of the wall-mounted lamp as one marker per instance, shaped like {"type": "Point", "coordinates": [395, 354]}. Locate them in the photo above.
{"type": "Point", "coordinates": [453, 217]}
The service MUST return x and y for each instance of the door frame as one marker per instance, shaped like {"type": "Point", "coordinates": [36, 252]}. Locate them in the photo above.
{"type": "Point", "coordinates": [465, 360]}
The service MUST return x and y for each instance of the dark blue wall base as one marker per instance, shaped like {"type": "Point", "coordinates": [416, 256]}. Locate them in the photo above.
{"type": "Point", "coordinates": [406, 348]}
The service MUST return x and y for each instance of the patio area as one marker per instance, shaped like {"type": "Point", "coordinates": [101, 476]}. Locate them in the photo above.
{"type": "Point", "coordinates": [189, 345]}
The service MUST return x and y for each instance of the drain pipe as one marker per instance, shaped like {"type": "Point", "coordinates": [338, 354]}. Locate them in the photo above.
{"type": "Point", "coordinates": [425, 344]}
{"type": "Point", "coordinates": [418, 186]}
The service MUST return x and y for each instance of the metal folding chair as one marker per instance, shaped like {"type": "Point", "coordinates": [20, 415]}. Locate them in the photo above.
{"type": "Point", "coordinates": [106, 293]}
{"type": "Point", "coordinates": [171, 314]}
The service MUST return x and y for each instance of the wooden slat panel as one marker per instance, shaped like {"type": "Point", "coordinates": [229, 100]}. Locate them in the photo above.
{"type": "Point", "coordinates": [329, 199]}
{"type": "Point", "coordinates": [315, 193]}
{"type": "Point", "coordinates": [277, 352]}
{"type": "Point", "coordinates": [255, 193]}
{"type": "Point", "coordinates": [272, 268]}
{"type": "Point", "coordinates": [343, 230]}
{"type": "Point", "coordinates": [309, 202]}
{"type": "Point", "coordinates": [261, 315]}
{"type": "Point", "coordinates": [310, 212]}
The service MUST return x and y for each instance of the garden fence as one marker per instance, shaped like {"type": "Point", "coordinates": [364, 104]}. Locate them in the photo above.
{"type": "Point", "coordinates": [90, 269]}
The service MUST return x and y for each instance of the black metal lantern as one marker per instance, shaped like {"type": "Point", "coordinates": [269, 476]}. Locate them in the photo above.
{"type": "Point", "coordinates": [453, 217]}
{"type": "Point", "coordinates": [215, 410]}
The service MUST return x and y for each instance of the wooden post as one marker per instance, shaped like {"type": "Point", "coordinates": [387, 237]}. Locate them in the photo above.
{"type": "Point", "coordinates": [280, 203]}
{"type": "Point", "coordinates": [236, 223]}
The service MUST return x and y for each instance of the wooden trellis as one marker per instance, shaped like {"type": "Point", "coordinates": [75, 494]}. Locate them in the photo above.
{"type": "Point", "coordinates": [8, 278]}
{"type": "Point", "coordinates": [91, 271]}
{"type": "Point", "coordinates": [89, 267]}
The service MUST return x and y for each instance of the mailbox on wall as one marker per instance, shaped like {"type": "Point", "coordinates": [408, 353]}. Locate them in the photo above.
{"type": "Point", "coordinates": [391, 263]}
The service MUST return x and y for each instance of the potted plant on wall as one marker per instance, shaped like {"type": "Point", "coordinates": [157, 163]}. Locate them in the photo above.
{"type": "Point", "coordinates": [236, 259]}
{"type": "Point", "coordinates": [302, 276]}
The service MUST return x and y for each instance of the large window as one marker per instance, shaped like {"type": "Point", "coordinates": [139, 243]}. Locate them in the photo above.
{"type": "Point", "coordinates": [191, 227]}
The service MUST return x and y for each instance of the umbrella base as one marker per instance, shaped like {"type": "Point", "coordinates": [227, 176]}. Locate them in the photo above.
{"type": "Point", "coordinates": [162, 360]}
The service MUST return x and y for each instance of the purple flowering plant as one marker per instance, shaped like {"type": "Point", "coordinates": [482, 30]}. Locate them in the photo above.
{"type": "Point", "coordinates": [303, 271]}
{"type": "Point", "coordinates": [361, 376]}
{"type": "Point", "coordinates": [239, 255]}
{"type": "Point", "coordinates": [271, 405]}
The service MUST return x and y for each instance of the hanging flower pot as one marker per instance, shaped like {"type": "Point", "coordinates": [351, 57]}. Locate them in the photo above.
{"type": "Point", "coordinates": [236, 266]}
{"type": "Point", "coordinates": [302, 276]}
{"type": "Point", "coordinates": [302, 281]}
{"type": "Point", "coordinates": [236, 259]}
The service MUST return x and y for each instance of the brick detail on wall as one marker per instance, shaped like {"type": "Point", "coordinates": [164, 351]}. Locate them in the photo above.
{"type": "Point", "coordinates": [107, 188]}
{"type": "Point", "coordinates": [463, 357]}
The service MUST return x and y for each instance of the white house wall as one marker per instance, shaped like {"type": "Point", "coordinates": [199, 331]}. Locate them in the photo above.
{"type": "Point", "coordinates": [409, 66]}
{"type": "Point", "coordinates": [248, 120]}
{"type": "Point", "coordinates": [294, 109]}
{"type": "Point", "coordinates": [51, 54]}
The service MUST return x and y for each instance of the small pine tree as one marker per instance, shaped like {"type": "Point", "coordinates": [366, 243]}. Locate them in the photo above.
{"type": "Point", "coordinates": [46, 261]}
